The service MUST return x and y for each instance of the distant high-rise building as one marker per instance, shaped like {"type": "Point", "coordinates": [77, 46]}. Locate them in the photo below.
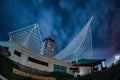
{"type": "Point", "coordinates": [48, 47]}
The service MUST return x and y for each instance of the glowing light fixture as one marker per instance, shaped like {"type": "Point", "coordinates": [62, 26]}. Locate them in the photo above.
{"type": "Point", "coordinates": [117, 57]}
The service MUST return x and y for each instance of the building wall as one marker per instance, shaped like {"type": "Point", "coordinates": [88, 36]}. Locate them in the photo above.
{"type": "Point", "coordinates": [84, 70]}
{"type": "Point", "coordinates": [25, 53]}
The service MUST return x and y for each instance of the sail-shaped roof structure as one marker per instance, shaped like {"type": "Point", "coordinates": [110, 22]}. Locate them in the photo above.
{"type": "Point", "coordinates": [28, 37]}
{"type": "Point", "coordinates": [80, 47]}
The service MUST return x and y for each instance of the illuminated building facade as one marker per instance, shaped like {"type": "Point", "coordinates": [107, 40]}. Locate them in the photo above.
{"type": "Point", "coordinates": [48, 49]}
{"type": "Point", "coordinates": [26, 47]}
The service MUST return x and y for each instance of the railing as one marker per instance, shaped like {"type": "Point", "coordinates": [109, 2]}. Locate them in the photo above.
{"type": "Point", "coordinates": [28, 69]}
{"type": "Point", "coordinates": [22, 73]}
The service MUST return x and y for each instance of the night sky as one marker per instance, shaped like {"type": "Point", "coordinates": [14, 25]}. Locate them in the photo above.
{"type": "Point", "coordinates": [63, 19]}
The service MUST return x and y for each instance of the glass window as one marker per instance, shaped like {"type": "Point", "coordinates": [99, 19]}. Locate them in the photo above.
{"type": "Point", "coordinates": [17, 53]}
{"type": "Point", "coordinates": [60, 68]}
{"type": "Point", "coordinates": [37, 61]}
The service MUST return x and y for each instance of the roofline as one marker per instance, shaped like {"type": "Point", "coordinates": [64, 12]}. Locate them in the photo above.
{"type": "Point", "coordinates": [24, 48]}
{"type": "Point", "coordinates": [49, 38]}
{"type": "Point", "coordinates": [92, 64]}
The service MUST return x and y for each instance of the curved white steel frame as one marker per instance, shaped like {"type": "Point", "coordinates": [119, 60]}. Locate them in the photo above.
{"type": "Point", "coordinates": [29, 37]}
{"type": "Point", "coordinates": [79, 47]}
